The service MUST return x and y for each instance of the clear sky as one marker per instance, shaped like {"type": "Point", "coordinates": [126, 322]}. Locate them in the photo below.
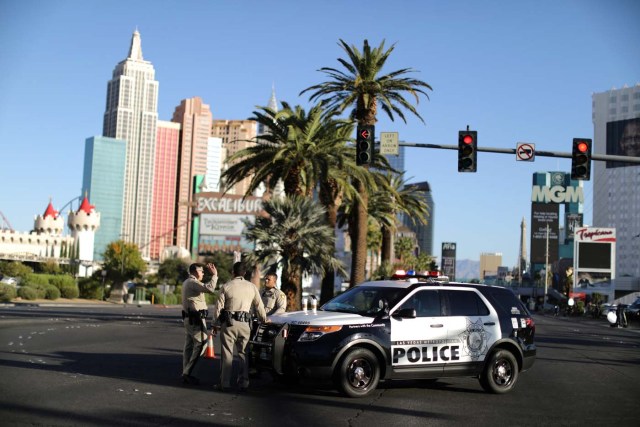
{"type": "Point", "coordinates": [514, 71]}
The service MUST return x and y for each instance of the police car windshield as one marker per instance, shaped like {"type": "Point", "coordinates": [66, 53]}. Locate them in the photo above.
{"type": "Point", "coordinates": [364, 300]}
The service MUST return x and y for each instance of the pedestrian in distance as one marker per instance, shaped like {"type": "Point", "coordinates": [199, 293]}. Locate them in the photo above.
{"type": "Point", "coordinates": [232, 316]}
{"type": "Point", "coordinates": [274, 300]}
{"type": "Point", "coordinates": [194, 315]}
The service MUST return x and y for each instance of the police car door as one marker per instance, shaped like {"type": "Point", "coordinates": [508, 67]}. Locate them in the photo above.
{"type": "Point", "coordinates": [417, 343]}
{"type": "Point", "coordinates": [472, 327]}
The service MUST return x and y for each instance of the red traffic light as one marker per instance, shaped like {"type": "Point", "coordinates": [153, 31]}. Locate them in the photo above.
{"type": "Point", "coordinates": [365, 133]}
{"type": "Point", "coordinates": [467, 139]}
{"type": "Point", "coordinates": [582, 147]}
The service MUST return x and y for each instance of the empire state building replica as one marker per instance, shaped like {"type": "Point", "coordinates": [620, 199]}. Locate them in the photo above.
{"type": "Point", "coordinates": [132, 115]}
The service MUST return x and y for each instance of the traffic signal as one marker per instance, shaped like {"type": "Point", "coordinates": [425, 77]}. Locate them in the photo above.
{"type": "Point", "coordinates": [581, 159]}
{"type": "Point", "coordinates": [365, 145]}
{"type": "Point", "coordinates": [467, 150]}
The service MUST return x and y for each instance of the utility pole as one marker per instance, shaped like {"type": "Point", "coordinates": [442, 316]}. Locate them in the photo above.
{"type": "Point", "coordinates": [546, 271]}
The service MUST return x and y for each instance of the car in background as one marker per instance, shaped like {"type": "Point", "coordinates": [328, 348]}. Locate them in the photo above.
{"type": "Point", "coordinates": [607, 308]}
{"type": "Point", "coordinates": [633, 310]}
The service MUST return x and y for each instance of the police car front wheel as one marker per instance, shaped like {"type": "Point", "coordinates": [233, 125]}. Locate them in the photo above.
{"type": "Point", "coordinates": [500, 373]}
{"type": "Point", "coordinates": [358, 373]}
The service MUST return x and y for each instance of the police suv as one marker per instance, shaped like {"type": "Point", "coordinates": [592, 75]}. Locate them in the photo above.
{"type": "Point", "coordinates": [408, 328]}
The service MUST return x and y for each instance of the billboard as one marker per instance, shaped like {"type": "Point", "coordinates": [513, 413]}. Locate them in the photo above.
{"type": "Point", "coordinates": [572, 221]}
{"type": "Point", "coordinates": [623, 139]}
{"type": "Point", "coordinates": [543, 214]}
{"type": "Point", "coordinates": [594, 260]}
{"type": "Point", "coordinates": [222, 218]}
{"type": "Point", "coordinates": [448, 266]}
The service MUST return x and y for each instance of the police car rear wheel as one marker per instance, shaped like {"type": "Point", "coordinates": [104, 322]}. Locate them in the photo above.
{"type": "Point", "coordinates": [358, 373]}
{"type": "Point", "coordinates": [500, 373]}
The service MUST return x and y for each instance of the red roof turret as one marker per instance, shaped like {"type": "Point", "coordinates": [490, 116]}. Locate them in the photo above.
{"type": "Point", "coordinates": [50, 212]}
{"type": "Point", "coordinates": [86, 206]}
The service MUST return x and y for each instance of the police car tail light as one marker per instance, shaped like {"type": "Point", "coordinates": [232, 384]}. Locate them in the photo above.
{"type": "Point", "coordinates": [312, 333]}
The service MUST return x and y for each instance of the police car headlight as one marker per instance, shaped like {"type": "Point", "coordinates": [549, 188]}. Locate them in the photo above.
{"type": "Point", "coordinates": [312, 333]}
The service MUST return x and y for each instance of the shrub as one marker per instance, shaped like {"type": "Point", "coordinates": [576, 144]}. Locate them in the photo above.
{"type": "Point", "coordinates": [51, 292]}
{"type": "Point", "coordinates": [37, 279]}
{"type": "Point", "coordinates": [28, 292]}
{"type": "Point", "coordinates": [37, 288]}
{"type": "Point", "coordinates": [70, 291]}
{"type": "Point", "coordinates": [7, 293]}
{"type": "Point", "coordinates": [89, 288]}
{"type": "Point", "coordinates": [171, 299]}
{"type": "Point", "coordinates": [62, 281]}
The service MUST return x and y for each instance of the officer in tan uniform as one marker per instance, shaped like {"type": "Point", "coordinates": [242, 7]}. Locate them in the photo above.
{"type": "Point", "coordinates": [194, 314]}
{"type": "Point", "coordinates": [274, 300]}
{"type": "Point", "coordinates": [231, 315]}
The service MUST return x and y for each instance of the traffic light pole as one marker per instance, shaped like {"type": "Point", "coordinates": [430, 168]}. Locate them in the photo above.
{"type": "Point", "coordinates": [600, 157]}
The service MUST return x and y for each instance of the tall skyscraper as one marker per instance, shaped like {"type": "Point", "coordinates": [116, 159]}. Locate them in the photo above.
{"type": "Point", "coordinates": [131, 115]}
{"type": "Point", "coordinates": [424, 232]}
{"type": "Point", "coordinates": [397, 162]}
{"type": "Point", "coordinates": [214, 165]}
{"type": "Point", "coordinates": [103, 183]}
{"type": "Point", "coordinates": [236, 135]}
{"type": "Point", "coordinates": [616, 185]}
{"type": "Point", "coordinates": [164, 188]}
{"type": "Point", "coordinates": [195, 118]}
{"type": "Point", "coordinates": [489, 263]}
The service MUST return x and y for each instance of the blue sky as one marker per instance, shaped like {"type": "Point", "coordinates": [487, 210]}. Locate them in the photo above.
{"type": "Point", "coordinates": [513, 71]}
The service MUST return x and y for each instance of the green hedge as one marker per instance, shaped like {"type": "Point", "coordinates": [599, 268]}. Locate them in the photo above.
{"type": "Point", "coordinates": [69, 291]}
{"type": "Point", "coordinates": [90, 288]}
{"type": "Point", "coordinates": [28, 293]}
{"type": "Point", "coordinates": [7, 292]}
{"type": "Point", "coordinates": [51, 292]}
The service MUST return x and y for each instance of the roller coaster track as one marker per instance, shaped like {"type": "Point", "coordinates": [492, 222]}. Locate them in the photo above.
{"type": "Point", "coordinates": [5, 223]}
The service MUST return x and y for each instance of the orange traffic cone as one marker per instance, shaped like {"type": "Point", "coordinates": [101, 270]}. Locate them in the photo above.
{"type": "Point", "coordinates": [210, 353]}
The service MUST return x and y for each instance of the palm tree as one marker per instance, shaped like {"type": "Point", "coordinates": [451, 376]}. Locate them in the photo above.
{"type": "Point", "coordinates": [299, 148]}
{"type": "Point", "coordinates": [294, 235]}
{"type": "Point", "coordinates": [307, 151]}
{"type": "Point", "coordinates": [362, 87]}
{"type": "Point", "coordinates": [404, 198]}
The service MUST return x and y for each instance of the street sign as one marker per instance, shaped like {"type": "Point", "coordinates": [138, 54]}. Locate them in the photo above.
{"type": "Point", "coordinates": [389, 143]}
{"type": "Point", "coordinates": [525, 152]}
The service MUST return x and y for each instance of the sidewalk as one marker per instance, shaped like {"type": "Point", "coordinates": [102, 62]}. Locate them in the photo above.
{"type": "Point", "coordinates": [60, 302]}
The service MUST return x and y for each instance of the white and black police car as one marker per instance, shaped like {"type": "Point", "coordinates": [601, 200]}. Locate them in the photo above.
{"type": "Point", "coordinates": [403, 328]}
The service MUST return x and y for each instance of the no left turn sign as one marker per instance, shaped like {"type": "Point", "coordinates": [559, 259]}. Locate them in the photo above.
{"type": "Point", "coordinates": [525, 152]}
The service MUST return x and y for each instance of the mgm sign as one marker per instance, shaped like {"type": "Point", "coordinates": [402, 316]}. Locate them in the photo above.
{"type": "Point", "coordinates": [545, 213]}
{"type": "Point", "coordinates": [222, 221]}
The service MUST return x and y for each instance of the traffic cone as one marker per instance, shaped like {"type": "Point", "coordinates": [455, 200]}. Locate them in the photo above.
{"type": "Point", "coordinates": [210, 353]}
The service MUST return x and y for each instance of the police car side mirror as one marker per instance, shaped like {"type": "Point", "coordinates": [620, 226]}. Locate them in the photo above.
{"type": "Point", "coordinates": [406, 313]}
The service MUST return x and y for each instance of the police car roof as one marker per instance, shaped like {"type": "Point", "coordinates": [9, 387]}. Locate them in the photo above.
{"type": "Point", "coordinates": [407, 282]}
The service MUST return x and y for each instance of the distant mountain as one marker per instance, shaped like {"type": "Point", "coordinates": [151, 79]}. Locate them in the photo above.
{"type": "Point", "coordinates": [467, 269]}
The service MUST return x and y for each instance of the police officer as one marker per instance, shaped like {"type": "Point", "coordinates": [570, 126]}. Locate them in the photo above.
{"type": "Point", "coordinates": [274, 300]}
{"type": "Point", "coordinates": [194, 313]}
{"type": "Point", "coordinates": [231, 315]}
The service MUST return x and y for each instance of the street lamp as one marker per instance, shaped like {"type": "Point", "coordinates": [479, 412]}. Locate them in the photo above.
{"type": "Point", "coordinates": [104, 289]}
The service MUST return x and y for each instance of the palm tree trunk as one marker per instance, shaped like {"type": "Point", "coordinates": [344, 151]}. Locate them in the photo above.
{"type": "Point", "coordinates": [387, 244]}
{"type": "Point", "coordinates": [328, 281]}
{"type": "Point", "coordinates": [359, 245]}
{"type": "Point", "coordinates": [292, 288]}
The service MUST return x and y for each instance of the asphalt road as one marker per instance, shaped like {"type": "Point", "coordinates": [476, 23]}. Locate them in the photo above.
{"type": "Point", "coordinates": [120, 365]}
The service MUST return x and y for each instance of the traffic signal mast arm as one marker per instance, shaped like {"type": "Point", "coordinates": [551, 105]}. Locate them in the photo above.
{"type": "Point", "coordinates": [601, 157]}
